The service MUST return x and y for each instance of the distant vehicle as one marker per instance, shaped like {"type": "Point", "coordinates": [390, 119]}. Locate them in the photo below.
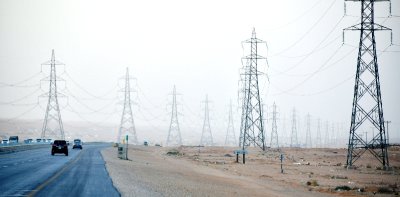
{"type": "Point", "coordinates": [67, 143]}
{"type": "Point", "coordinates": [5, 141]}
{"type": "Point", "coordinates": [159, 145]}
{"type": "Point", "coordinates": [145, 143]}
{"type": "Point", "coordinates": [38, 140]}
{"type": "Point", "coordinates": [13, 139]}
{"type": "Point", "coordinates": [49, 140]}
{"type": "Point", "coordinates": [77, 144]}
{"type": "Point", "coordinates": [28, 141]}
{"type": "Point", "coordinates": [59, 146]}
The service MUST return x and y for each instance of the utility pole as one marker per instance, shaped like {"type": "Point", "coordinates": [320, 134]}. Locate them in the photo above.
{"type": "Point", "coordinates": [293, 137]}
{"type": "Point", "coordinates": [367, 102]}
{"type": "Point", "coordinates": [230, 138]}
{"type": "Point", "coordinates": [174, 135]}
{"type": "Point", "coordinates": [206, 135]}
{"type": "Point", "coordinates": [52, 125]}
{"type": "Point", "coordinates": [127, 125]}
{"type": "Point", "coordinates": [274, 132]}
{"type": "Point", "coordinates": [252, 125]}
{"type": "Point", "coordinates": [308, 132]}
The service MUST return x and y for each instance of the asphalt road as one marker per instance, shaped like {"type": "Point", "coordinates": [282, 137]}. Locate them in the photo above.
{"type": "Point", "coordinates": [37, 173]}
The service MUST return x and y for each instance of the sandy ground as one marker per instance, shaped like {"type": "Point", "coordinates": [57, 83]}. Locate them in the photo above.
{"type": "Point", "coordinates": [213, 171]}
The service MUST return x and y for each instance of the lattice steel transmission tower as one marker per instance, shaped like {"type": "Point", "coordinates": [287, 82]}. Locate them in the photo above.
{"type": "Point", "coordinates": [230, 138]}
{"type": "Point", "coordinates": [52, 125]}
{"type": "Point", "coordinates": [293, 136]}
{"type": "Point", "coordinates": [319, 139]}
{"type": "Point", "coordinates": [206, 135]}
{"type": "Point", "coordinates": [252, 125]}
{"type": "Point", "coordinates": [174, 134]}
{"type": "Point", "coordinates": [327, 138]}
{"type": "Point", "coordinates": [308, 131]}
{"type": "Point", "coordinates": [333, 135]}
{"type": "Point", "coordinates": [274, 129]}
{"type": "Point", "coordinates": [367, 102]}
{"type": "Point", "coordinates": [127, 126]}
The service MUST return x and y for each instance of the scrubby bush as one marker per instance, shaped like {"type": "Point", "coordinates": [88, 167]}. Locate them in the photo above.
{"type": "Point", "coordinates": [342, 188]}
{"type": "Point", "coordinates": [312, 183]}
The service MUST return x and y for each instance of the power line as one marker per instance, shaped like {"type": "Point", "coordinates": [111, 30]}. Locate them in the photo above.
{"type": "Point", "coordinates": [308, 31]}
{"type": "Point", "coordinates": [101, 97]}
{"type": "Point", "coordinates": [298, 17]}
{"type": "Point", "coordinates": [18, 84]}
{"type": "Point", "coordinates": [21, 98]}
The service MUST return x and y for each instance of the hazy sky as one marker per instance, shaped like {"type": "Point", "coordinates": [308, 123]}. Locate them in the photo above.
{"type": "Point", "coordinates": [195, 45]}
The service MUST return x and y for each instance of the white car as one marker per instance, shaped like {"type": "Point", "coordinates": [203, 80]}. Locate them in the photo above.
{"type": "Point", "coordinates": [5, 141]}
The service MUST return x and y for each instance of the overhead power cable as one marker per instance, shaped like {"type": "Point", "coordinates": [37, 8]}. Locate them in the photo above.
{"type": "Point", "coordinates": [18, 84]}
{"type": "Point", "coordinates": [308, 31]}
{"type": "Point", "coordinates": [315, 49]}
{"type": "Point", "coordinates": [101, 97]}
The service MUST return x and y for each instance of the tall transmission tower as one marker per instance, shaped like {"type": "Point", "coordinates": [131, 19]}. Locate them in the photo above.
{"type": "Point", "coordinates": [274, 129]}
{"type": "Point", "coordinates": [252, 125]}
{"type": "Point", "coordinates": [230, 138]}
{"type": "Point", "coordinates": [206, 135]}
{"type": "Point", "coordinates": [293, 137]}
{"type": "Point", "coordinates": [308, 132]}
{"type": "Point", "coordinates": [327, 138]}
{"type": "Point", "coordinates": [52, 125]}
{"type": "Point", "coordinates": [127, 126]}
{"type": "Point", "coordinates": [319, 140]}
{"type": "Point", "coordinates": [284, 139]}
{"type": "Point", "coordinates": [333, 135]}
{"type": "Point", "coordinates": [174, 134]}
{"type": "Point", "coordinates": [367, 102]}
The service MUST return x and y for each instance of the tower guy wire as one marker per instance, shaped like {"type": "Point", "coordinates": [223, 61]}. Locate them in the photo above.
{"type": "Point", "coordinates": [293, 136]}
{"type": "Point", "coordinates": [274, 128]}
{"type": "Point", "coordinates": [174, 135]}
{"type": "Point", "coordinates": [230, 138]}
{"type": "Point", "coordinates": [127, 125]}
{"type": "Point", "coordinates": [206, 135]}
{"type": "Point", "coordinates": [52, 125]}
{"type": "Point", "coordinates": [252, 122]}
{"type": "Point", "coordinates": [367, 107]}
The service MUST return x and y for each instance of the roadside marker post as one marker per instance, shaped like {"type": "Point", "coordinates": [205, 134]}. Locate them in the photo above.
{"type": "Point", "coordinates": [281, 163]}
{"type": "Point", "coordinates": [126, 152]}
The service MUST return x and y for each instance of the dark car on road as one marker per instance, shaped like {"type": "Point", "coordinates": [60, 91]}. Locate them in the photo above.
{"type": "Point", "coordinates": [59, 146]}
{"type": "Point", "coordinates": [77, 144]}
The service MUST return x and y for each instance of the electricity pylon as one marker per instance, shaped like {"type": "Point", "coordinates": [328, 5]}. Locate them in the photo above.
{"type": "Point", "coordinates": [284, 139]}
{"type": "Point", "coordinates": [293, 137]}
{"type": "Point", "coordinates": [327, 139]}
{"type": "Point", "coordinates": [367, 107]}
{"type": "Point", "coordinates": [319, 140]}
{"type": "Point", "coordinates": [308, 132]}
{"type": "Point", "coordinates": [52, 125]}
{"type": "Point", "coordinates": [333, 135]}
{"type": "Point", "coordinates": [274, 129]}
{"type": "Point", "coordinates": [206, 135]}
{"type": "Point", "coordinates": [230, 138]}
{"type": "Point", "coordinates": [174, 134]}
{"type": "Point", "coordinates": [252, 125]}
{"type": "Point", "coordinates": [127, 126]}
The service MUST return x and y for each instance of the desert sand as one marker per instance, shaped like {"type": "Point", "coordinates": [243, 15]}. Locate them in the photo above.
{"type": "Point", "coordinates": [213, 171]}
